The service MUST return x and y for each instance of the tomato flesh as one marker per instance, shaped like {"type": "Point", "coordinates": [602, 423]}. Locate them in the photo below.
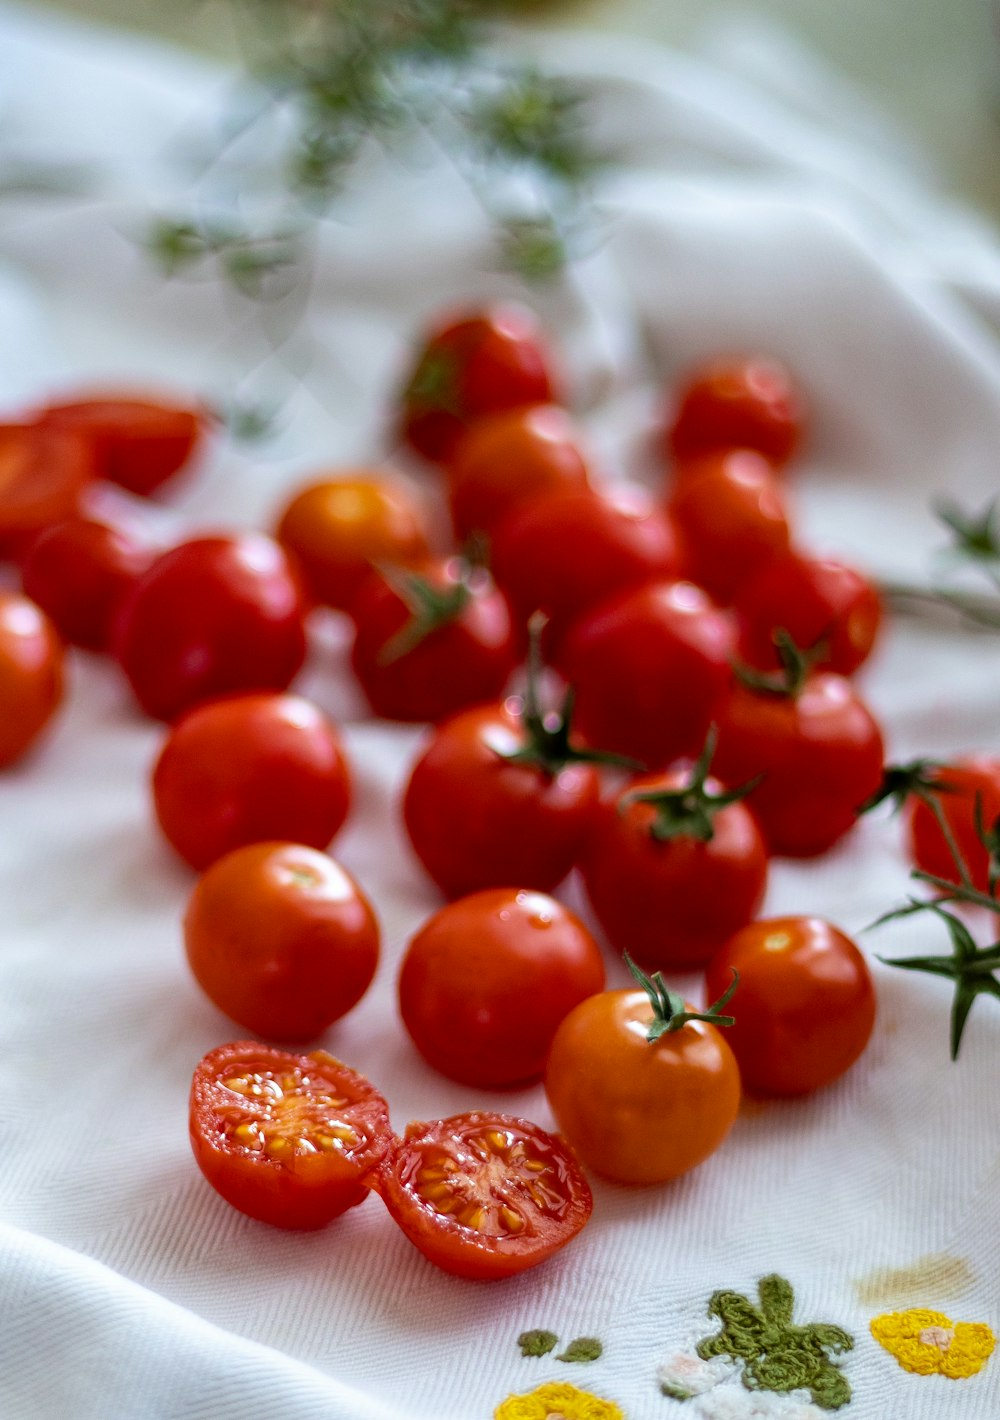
{"type": "Point", "coordinates": [43, 473]}
{"type": "Point", "coordinates": [136, 443]}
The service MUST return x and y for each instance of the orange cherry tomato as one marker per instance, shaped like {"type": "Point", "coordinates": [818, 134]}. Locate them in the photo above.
{"type": "Point", "coordinates": [137, 443]}
{"type": "Point", "coordinates": [509, 458]}
{"type": "Point", "coordinates": [43, 472]}
{"type": "Point", "coordinates": [738, 404]}
{"type": "Point", "coordinates": [31, 674]}
{"type": "Point", "coordinates": [338, 527]}
{"type": "Point", "coordinates": [291, 1140]}
{"type": "Point", "coordinates": [634, 1110]}
{"type": "Point", "coordinates": [281, 938]}
{"type": "Point", "coordinates": [805, 1005]}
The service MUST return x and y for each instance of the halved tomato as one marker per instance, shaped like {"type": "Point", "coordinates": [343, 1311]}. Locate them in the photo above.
{"type": "Point", "coordinates": [43, 472]}
{"type": "Point", "coordinates": [137, 442]}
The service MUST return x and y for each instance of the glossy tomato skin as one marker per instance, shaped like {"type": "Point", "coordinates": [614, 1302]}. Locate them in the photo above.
{"type": "Point", "coordinates": [31, 675]}
{"type": "Point", "coordinates": [566, 551]}
{"type": "Point", "coordinates": [737, 404]}
{"type": "Point", "coordinates": [508, 459]}
{"type": "Point", "coordinates": [282, 939]}
{"type": "Point", "coordinates": [476, 821]}
{"type": "Point", "coordinates": [470, 366]}
{"type": "Point", "coordinates": [337, 529]}
{"type": "Point", "coordinates": [487, 979]}
{"type": "Point", "coordinates": [814, 599]}
{"type": "Point", "coordinates": [649, 667]}
{"type": "Point", "coordinates": [465, 661]}
{"type": "Point", "coordinates": [484, 1195]}
{"type": "Point", "coordinates": [731, 520]}
{"type": "Point", "coordinates": [671, 903]}
{"type": "Point", "coordinates": [291, 1140]}
{"type": "Point", "coordinates": [247, 769]}
{"type": "Point", "coordinates": [967, 778]}
{"type": "Point", "coordinates": [805, 1005]}
{"type": "Point", "coordinates": [820, 754]}
{"type": "Point", "coordinates": [138, 443]}
{"type": "Point", "coordinates": [211, 617]}
{"type": "Point", "coordinates": [80, 570]}
{"type": "Point", "coordinates": [43, 475]}
{"type": "Point", "coordinates": [634, 1111]}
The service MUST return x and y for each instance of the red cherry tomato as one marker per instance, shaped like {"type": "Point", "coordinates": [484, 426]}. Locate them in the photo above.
{"type": "Point", "coordinates": [508, 459]}
{"type": "Point", "coordinates": [814, 600]}
{"type": "Point", "coordinates": [486, 981]}
{"type": "Point", "coordinates": [208, 618]}
{"type": "Point", "coordinates": [281, 938]}
{"type": "Point", "coordinates": [479, 364]}
{"type": "Point", "coordinates": [43, 473]}
{"type": "Point", "coordinates": [820, 754]}
{"type": "Point", "coordinates": [432, 641]}
{"type": "Point", "coordinates": [477, 820]}
{"type": "Point", "coordinates": [79, 571]}
{"type": "Point", "coordinates": [634, 1110]}
{"type": "Point", "coordinates": [337, 529]}
{"type": "Point", "coordinates": [248, 769]}
{"type": "Point", "coordinates": [31, 674]}
{"type": "Point", "coordinates": [137, 443]}
{"type": "Point", "coordinates": [484, 1195]}
{"type": "Point", "coordinates": [730, 515]}
{"type": "Point", "coordinates": [291, 1140]}
{"type": "Point", "coordinates": [649, 667]}
{"type": "Point", "coordinates": [564, 552]}
{"type": "Point", "coordinates": [737, 404]}
{"type": "Point", "coordinates": [805, 1004]}
{"type": "Point", "coordinates": [965, 781]}
{"type": "Point", "coordinates": [670, 902]}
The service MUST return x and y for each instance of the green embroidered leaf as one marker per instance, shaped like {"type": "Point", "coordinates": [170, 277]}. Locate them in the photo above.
{"type": "Point", "coordinates": [584, 1348]}
{"type": "Point", "coordinates": [537, 1343]}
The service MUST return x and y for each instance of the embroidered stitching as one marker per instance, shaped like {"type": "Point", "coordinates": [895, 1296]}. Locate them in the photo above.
{"type": "Point", "coordinates": [928, 1343]}
{"type": "Point", "coordinates": [557, 1400]}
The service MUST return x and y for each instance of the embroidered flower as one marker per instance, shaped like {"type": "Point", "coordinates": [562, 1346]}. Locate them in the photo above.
{"type": "Point", "coordinates": [928, 1343]}
{"type": "Point", "coordinates": [557, 1400]}
{"type": "Point", "coordinates": [685, 1375]}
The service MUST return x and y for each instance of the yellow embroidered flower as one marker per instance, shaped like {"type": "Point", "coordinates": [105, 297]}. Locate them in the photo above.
{"type": "Point", "coordinates": [557, 1400]}
{"type": "Point", "coordinates": [929, 1343]}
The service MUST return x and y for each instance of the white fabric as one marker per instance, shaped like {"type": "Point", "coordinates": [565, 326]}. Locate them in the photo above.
{"type": "Point", "coordinates": [761, 207]}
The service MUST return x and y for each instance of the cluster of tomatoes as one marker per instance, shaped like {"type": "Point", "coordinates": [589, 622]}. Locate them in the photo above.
{"type": "Point", "coordinates": [660, 773]}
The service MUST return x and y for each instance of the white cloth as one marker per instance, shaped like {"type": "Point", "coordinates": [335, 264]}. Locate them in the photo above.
{"type": "Point", "coordinates": [761, 206]}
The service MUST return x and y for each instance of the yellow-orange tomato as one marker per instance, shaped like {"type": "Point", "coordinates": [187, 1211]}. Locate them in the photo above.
{"type": "Point", "coordinates": [281, 938]}
{"type": "Point", "coordinates": [338, 528]}
{"type": "Point", "coordinates": [31, 674]}
{"type": "Point", "coordinates": [634, 1110]}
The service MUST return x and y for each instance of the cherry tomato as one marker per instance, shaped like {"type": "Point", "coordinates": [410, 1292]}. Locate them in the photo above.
{"type": "Point", "coordinates": [291, 1140]}
{"type": "Point", "coordinates": [566, 551]}
{"type": "Point", "coordinates": [432, 641]}
{"type": "Point", "coordinates": [635, 1110]}
{"type": "Point", "coordinates": [476, 819]}
{"type": "Point", "coordinates": [731, 519]}
{"type": "Point", "coordinates": [487, 979]}
{"type": "Point", "coordinates": [977, 776]}
{"type": "Point", "coordinates": [137, 442]}
{"type": "Point", "coordinates": [79, 571]}
{"type": "Point", "coordinates": [486, 361]}
{"type": "Point", "coordinates": [814, 600]}
{"type": "Point", "coordinates": [338, 528]}
{"type": "Point", "coordinates": [484, 1195]}
{"type": "Point", "coordinates": [649, 667]}
{"type": "Point", "coordinates": [281, 938]}
{"type": "Point", "coordinates": [210, 617]}
{"type": "Point", "coordinates": [508, 459]}
{"type": "Point", "coordinates": [248, 769]}
{"type": "Point", "coordinates": [43, 473]}
{"type": "Point", "coordinates": [31, 674]}
{"type": "Point", "coordinates": [805, 1004]}
{"type": "Point", "coordinates": [820, 754]}
{"type": "Point", "coordinates": [671, 901]}
{"type": "Point", "coordinates": [737, 404]}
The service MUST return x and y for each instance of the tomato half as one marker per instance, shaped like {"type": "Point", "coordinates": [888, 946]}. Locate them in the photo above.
{"type": "Point", "coordinates": [486, 981]}
{"type": "Point", "coordinates": [31, 674]}
{"type": "Point", "coordinates": [291, 1140]}
{"type": "Point", "coordinates": [43, 473]}
{"type": "Point", "coordinates": [737, 404]}
{"type": "Point", "coordinates": [484, 1195]}
{"type": "Point", "coordinates": [814, 599]}
{"type": "Point", "coordinates": [640, 1111]}
{"type": "Point", "coordinates": [805, 1005]}
{"type": "Point", "coordinates": [281, 938]}
{"type": "Point", "coordinates": [977, 776]}
{"type": "Point", "coordinates": [137, 442]}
